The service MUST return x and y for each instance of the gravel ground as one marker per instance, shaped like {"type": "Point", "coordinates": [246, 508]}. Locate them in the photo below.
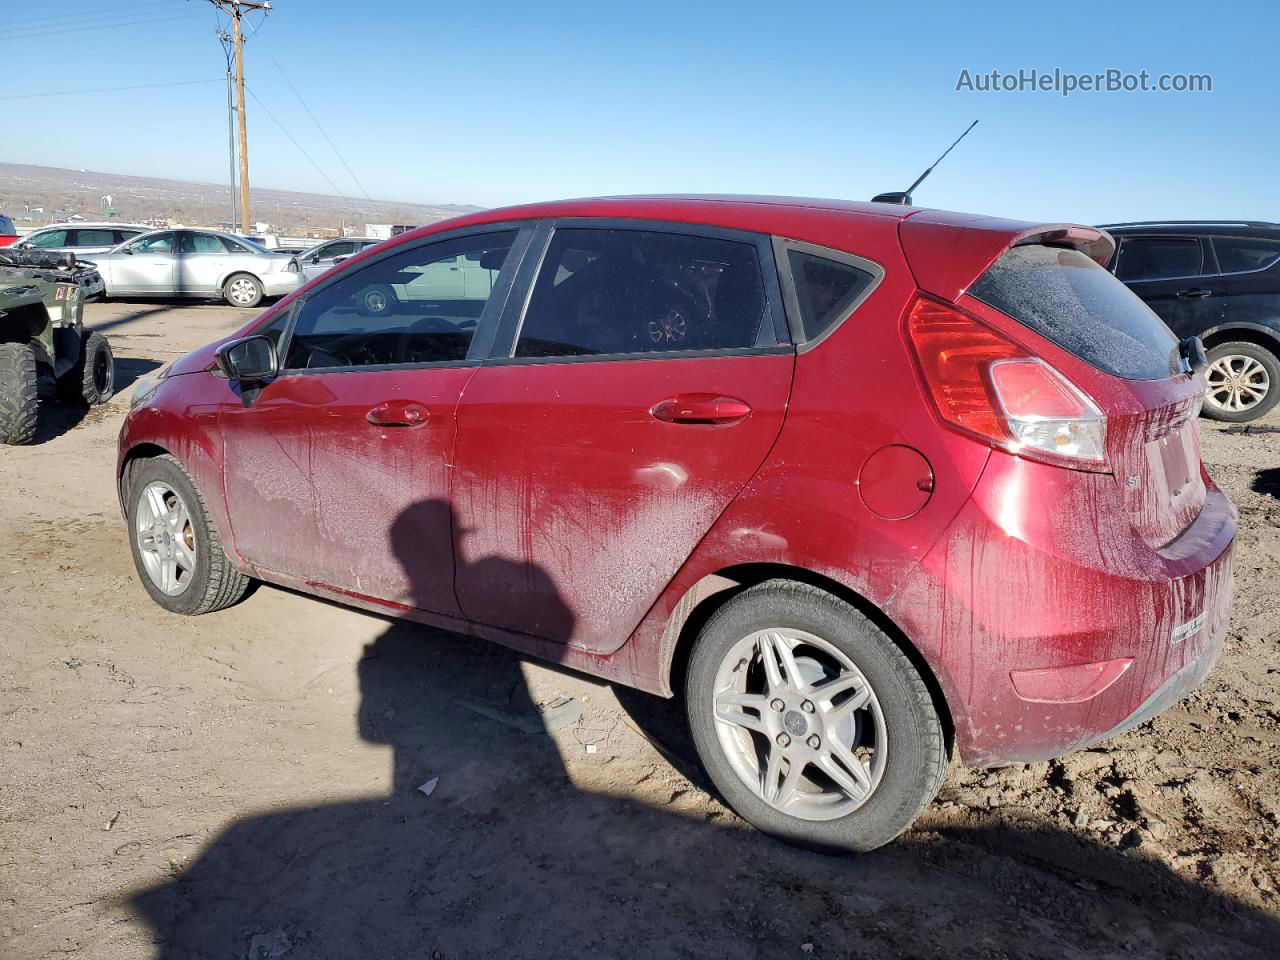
{"type": "Point", "coordinates": [246, 784]}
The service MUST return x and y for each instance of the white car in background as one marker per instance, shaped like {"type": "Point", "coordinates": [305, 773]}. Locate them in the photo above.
{"type": "Point", "coordinates": [196, 263]}
{"type": "Point", "coordinates": [81, 238]}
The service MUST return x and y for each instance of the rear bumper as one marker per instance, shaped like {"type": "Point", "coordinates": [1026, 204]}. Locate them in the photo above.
{"type": "Point", "coordinates": [1050, 625]}
{"type": "Point", "coordinates": [280, 284]}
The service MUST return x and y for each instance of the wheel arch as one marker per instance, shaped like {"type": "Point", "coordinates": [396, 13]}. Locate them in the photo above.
{"type": "Point", "coordinates": [712, 591]}
{"type": "Point", "coordinates": [139, 451]}
{"type": "Point", "coordinates": [237, 272]}
{"type": "Point", "coordinates": [1255, 333]}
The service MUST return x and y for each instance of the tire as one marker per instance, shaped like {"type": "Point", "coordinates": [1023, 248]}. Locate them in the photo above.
{"type": "Point", "coordinates": [897, 729]}
{"type": "Point", "coordinates": [242, 290]}
{"type": "Point", "coordinates": [1244, 382]}
{"type": "Point", "coordinates": [19, 400]}
{"type": "Point", "coordinates": [211, 582]}
{"type": "Point", "coordinates": [93, 379]}
{"type": "Point", "coordinates": [376, 300]}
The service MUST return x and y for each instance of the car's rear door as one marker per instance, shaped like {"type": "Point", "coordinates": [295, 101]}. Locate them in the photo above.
{"type": "Point", "coordinates": [627, 403]}
{"type": "Point", "coordinates": [1175, 277]}
{"type": "Point", "coordinates": [203, 260]}
{"type": "Point", "coordinates": [1251, 270]}
{"type": "Point", "coordinates": [337, 473]}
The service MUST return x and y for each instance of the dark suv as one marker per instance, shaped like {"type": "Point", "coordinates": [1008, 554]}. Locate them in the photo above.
{"type": "Point", "coordinates": [1220, 282]}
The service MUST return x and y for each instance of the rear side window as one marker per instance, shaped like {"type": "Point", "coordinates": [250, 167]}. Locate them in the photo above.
{"type": "Point", "coordinates": [825, 289]}
{"type": "Point", "coordinates": [92, 238]}
{"type": "Point", "coordinates": [1159, 258]}
{"type": "Point", "coordinates": [121, 236]}
{"type": "Point", "coordinates": [605, 291]}
{"type": "Point", "coordinates": [1238, 255]}
{"type": "Point", "coordinates": [1066, 297]}
{"type": "Point", "coordinates": [54, 238]}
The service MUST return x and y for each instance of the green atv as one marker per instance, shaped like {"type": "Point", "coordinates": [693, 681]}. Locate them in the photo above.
{"type": "Point", "coordinates": [42, 334]}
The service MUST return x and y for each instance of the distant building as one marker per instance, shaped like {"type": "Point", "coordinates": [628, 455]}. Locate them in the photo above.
{"type": "Point", "coordinates": [385, 231]}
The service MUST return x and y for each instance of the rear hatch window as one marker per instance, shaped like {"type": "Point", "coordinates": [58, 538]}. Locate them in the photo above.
{"type": "Point", "coordinates": [1064, 296]}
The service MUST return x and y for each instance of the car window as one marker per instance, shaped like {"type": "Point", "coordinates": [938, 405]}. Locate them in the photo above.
{"type": "Point", "coordinates": [91, 238]}
{"type": "Point", "coordinates": [236, 245]}
{"type": "Point", "coordinates": [1238, 254]}
{"type": "Point", "coordinates": [156, 243]}
{"type": "Point", "coordinates": [603, 291]}
{"type": "Point", "coordinates": [120, 236]}
{"type": "Point", "coordinates": [825, 289]}
{"type": "Point", "coordinates": [202, 243]}
{"type": "Point", "coordinates": [53, 238]}
{"type": "Point", "coordinates": [406, 308]}
{"type": "Point", "coordinates": [343, 249]}
{"type": "Point", "coordinates": [1064, 296]}
{"type": "Point", "coordinates": [1159, 258]}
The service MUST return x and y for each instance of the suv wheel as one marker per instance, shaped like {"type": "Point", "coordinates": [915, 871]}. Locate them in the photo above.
{"type": "Point", "coordinates": [242, 290]}
{"type": "Point", "coordinates": [92, 380]}
{"type": "Point", "coordinates": [176, 549]}
{"type": "Point", "coordinates": [19, 401]}
{"type": "Point", "coordinates": [1244, 382]}
{"type": "Point", "coordinates": [810, 720]}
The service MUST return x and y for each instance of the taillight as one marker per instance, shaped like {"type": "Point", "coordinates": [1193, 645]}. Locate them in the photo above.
{"type": "Point", "coordinates": [989, 386]}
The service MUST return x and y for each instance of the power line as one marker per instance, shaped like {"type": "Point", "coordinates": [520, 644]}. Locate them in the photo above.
{"type": "Point", "coordinates": [70, 93]}
{"type": "Point", "coordinates": [301, 149]}
{"type": "Point", "coordinates": [98, 14]}
{"type": "Point", "coordinates": [321, 129]}
{"type": "Point", "coordinates": [100, 26]}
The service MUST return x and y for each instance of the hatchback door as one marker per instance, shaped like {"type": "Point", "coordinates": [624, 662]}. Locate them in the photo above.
{"type": "Point", "coordinates": [1152, 440]}
{"type": "Point", "coordinates": [645, 384]}
{"type": "Point", "coordinates": [1175, 277]}
{"type": "Point", "coordinates": [337, 473]}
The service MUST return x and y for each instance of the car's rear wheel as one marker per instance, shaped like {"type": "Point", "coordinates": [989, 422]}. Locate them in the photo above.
{"type": "Point", "coordinates": [242, 290]}
{"type": "Point", "coordinates": [19, 400]}
{"type": "Point", "coordinates": [376, 300]}
{"type": "Point", "coordinates": [811, 721]}
{"type": "Point", "coordinates": [92, 380]}
{"type": "Point", "coordinates": [176, 550]}
{"type": "Point", "coordinates": [1243, 382]}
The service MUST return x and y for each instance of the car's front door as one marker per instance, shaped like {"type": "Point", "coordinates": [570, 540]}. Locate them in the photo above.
{"type": "Point", "coordinates": [337, 473]}
{"type": "Point", "coordinates": [1176, 278]}
{"type": "Point", "coordinates": [645, 385]}
{"type": "Point", "coordinates": [148, 266]}
{"type": "Point", "coordinates": [203, 260]}
{"type": "Point", "coordinates": [320, 261]}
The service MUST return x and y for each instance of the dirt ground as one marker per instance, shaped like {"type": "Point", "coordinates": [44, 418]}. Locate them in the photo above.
{"type": "Point", "coordinates": [245, 784]}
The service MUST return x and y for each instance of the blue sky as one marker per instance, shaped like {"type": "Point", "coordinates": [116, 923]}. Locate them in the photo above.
{"type": "Point", "coordinates": [500, 103]}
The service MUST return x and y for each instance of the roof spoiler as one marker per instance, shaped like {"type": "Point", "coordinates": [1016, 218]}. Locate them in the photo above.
{"type": "Point", "coordinates": [947, 252]}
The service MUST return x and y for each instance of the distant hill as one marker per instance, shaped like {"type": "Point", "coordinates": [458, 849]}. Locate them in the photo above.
{"type": "Point", "coordinates": [63, 192]}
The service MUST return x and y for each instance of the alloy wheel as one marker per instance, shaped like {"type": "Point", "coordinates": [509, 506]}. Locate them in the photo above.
{"type": "Point", "coordinates": [166, 538]}
{"type": "Point", "coordinates": [243, 290]}
{"type": "Point", "coordinates": [799, 724]}
{"type": "Point", "coordinates": [1237, 383]}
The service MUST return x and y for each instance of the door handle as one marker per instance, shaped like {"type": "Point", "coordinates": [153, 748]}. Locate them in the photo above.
{"type": "Point", "coordinates": [700, 408]}
{"type": "Point", "coordinates": [1195, 293]}
{"type": "Point", "coordinates": [398, 413]}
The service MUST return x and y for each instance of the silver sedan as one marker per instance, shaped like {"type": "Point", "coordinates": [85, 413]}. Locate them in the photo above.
{"type": "Point", "coordinates": [196, 263]}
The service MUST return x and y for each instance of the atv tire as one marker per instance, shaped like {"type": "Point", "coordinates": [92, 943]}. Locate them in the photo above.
{"type": "Point", "coordinates": [19, 401]}
{"type": "Point", "coordinates": [92, 380]}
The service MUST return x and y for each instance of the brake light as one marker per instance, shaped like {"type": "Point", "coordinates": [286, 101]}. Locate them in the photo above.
{"type": "Point", "coordinates": [992, 388]}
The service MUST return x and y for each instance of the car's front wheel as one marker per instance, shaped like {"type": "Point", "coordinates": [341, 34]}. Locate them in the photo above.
{"type": "Point", "coordinates": [176, 549]}
{"type": "Point", "coordinates": [1243, 382]}
{"type": "Point", "coordinates": [811, 721]}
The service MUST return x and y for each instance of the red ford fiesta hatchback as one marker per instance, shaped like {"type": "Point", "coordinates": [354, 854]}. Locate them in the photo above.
{"type": "Point", "coordinates": [870, 483]}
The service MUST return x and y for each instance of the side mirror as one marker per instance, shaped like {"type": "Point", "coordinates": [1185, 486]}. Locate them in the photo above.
{"type": "Point", "coordinates": [338, 260]}
{"type": "Point", "coordinates": [128, 250]}
{"type": "Point", "coordinates": [314, 258]}
{"type": "Point", "coordinates": [251, 360]}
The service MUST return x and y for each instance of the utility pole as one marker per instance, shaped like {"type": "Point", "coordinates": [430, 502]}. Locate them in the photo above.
{"type": "Point", "coordinates": [235, 10]}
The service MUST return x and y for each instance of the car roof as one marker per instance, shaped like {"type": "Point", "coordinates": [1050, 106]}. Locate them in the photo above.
{"type": "Point", "coordinates": [1221, 228]}
{"type": "Point", "coordinates": [80, 224]}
